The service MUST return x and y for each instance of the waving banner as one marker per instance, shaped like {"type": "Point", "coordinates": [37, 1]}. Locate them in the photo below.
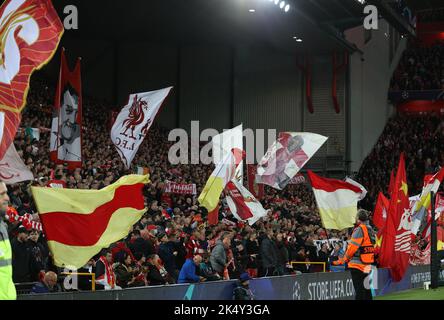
{"type": "Point", "coordinates": [286, 157]}
{"type": "Point", "coordinates": [66, 132]}
{"type": "Point", "coordinates": [30, 32]}
{"type": "Point", "coordinates": [134, 121]}
{"type": "Point", "coordinates": [12, 168]}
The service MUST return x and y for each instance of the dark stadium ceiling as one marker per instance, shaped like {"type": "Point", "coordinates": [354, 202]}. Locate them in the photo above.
{"type": "Point", "coordinates": [419, 5]}
{"type": "Point", "coordinates": [319, 23]}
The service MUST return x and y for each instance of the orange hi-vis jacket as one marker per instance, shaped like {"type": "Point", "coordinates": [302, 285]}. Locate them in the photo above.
{"type": "Point", "coordinates": [360, 251]}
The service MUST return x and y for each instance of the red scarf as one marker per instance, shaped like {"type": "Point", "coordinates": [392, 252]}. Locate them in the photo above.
{"type": "Point", "coordinates": [109, 273]}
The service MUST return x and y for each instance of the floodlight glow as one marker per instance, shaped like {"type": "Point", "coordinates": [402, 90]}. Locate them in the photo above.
{"type": "Point", "coordinates": [282, 4]}
{"type": "Point", "coordinates": [276, 2]}
{"type": "Point", "coordinates": [252, 10]}
{"type": "Point", "coordinates": [287, 8]}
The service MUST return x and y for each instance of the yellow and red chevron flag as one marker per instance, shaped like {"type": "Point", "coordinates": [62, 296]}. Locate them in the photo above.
{"type": "Point", "coordinates": [79, 223]}
{"type": "Point", "coordinates": [30, 31]}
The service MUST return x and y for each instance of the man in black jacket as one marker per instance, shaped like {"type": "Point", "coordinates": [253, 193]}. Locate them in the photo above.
{"type": "Point", "coordinates": [168, 254]}
{"type": "Point", "coordinates": [268, 252]}
{"type": "Point", "coordinates": [282, 255]}
{"type": "Point", "coordinates": [21, 257]}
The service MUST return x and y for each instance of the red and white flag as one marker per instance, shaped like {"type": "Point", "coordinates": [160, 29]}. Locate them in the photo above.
{"type": "Point", "coordinates": [288, 154]}
{"type": "Point", "coordinates": [337, 201]}
{"type": "Point", "coordinates": [12, 168]}
{"type": "Point", "coordinates": [243, 205]}
{"type": "Point", "coordinates": [134, 121]}
{"type": "Point", "coordinates": [30, 33]}
{"type": "Point", "coordinates": [66, 128]}
{"type": "Point", "coordinates": [380, 213]}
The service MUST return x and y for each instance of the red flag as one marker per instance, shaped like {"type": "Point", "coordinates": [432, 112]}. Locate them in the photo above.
{"type": "Point", "coordinates": [257, 189]}
{"type": "Point", "coordinates": [243, 211]}
{"type": "Point", "coordinates": [30, 33]}
{"type": "Point", "coordinates": [380, 213]}
{"type": "Point", "coordinates": [66, 136]}
{"type": "Point", "coordinates": [213, 216]}
{"type": "Point", "coordinates": [397, 237]}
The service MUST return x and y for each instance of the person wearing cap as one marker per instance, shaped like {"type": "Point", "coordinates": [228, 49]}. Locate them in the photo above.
{"type": "Point", "coordinates": [242, 291]}
{"type": "Point", "coordinates": [21, 257]}
{"type": "Point", "coordinates": [7, 288]}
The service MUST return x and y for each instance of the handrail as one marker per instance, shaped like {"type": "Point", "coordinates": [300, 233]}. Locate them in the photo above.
{"type": "Point", "coordinates": [92, 275]}
{"type": "Point", "coordinates": [309, 262]}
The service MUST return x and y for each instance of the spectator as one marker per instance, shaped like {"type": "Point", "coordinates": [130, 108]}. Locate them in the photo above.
{"type": "Point", "coordinates": [22, 264]}
{"type": "Point", "coordinates": [47, 285]}
{"type": "Point", "coordinates": [205, 270]}
{"type": "Point", "coordinates": [168, 254]}
{"type": "Point", "coordinates": [156, 273]}
{"type": "Point", "coordinates": [188, 272]}
{"type": "Point", "coordinates": [268, 251]}
{"type": "Point", "coordinates": [105, 276]}
{"type": "Point", "coordinates": [84, 282]}
{"type": "Point", "coordinates": [39, 254]}
{"type": "Point", "coordinates": [218, 257]}
{"type": "Point", "coordinates": [124, 270]}
{"type": "Point", "coordinates": [282, 255]}
{"type": "Point", "coordinates": [252, 247]}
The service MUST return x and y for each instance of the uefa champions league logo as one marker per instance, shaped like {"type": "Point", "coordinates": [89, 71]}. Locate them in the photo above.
{"type": "Point", "coordinates": [296, 291]}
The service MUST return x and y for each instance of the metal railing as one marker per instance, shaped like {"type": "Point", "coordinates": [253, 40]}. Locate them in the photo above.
{"type": "Point", "coordinates": [92, 275]}
{"type": "Point", "coordinates": [310, 263]}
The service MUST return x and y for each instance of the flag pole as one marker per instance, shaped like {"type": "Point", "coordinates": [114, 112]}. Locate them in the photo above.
{"type": "Point", "coordinates": [434, 271]}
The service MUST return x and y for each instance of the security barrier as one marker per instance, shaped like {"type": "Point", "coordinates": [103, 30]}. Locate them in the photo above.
{"type": "Point", "coordinates": [310, 263]}
{"type": "Point", "coordinates": [308, 286]}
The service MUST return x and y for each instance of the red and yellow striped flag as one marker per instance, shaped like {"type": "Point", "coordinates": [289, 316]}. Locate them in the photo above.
{"type": "Point", "coordinates": [79, 223]}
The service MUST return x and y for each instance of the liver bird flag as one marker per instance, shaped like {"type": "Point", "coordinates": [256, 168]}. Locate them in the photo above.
{"type": "Point", "coordinates": [30, 31]}
{"type": "Point", "coordinates": [288, 154]}
{"type": "Point", "coordinates": [134, 121]}
{"type": "Point", "coordinates": [79, 223]}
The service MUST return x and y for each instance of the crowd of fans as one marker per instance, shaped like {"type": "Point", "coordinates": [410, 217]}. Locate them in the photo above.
{"type": "Point", "coordinates": [420, 68]}
{"type": "Point", "coordinates": [163, 246]}
{"type": "Point", "coordinates": [173, 242]}
{"type": "Point", "coordinates": [420, 138]}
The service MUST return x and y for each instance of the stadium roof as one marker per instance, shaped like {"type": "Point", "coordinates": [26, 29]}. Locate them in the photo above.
{"type": "Point", "coordinates": [319, 23]}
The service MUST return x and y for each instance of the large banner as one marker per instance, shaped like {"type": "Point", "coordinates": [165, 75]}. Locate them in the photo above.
{"type": "Point", "coordinates": [286, 157]}
{"type": "Point", "coordinates": [12, 168]}
{"type": "Point", "coordinates": [180, 188]}
{"type": "Point", "coordinates": [30, 33]}
{"type": "Point", "coordinates": [66, 129]}
{"type": "Point", "coordinates": [134, 121]}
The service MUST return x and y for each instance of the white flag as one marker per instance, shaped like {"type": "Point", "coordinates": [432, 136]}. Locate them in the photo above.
{"type": "Point", "coordinates": [223, 144]}
{"type": "Point", "coordinates": [134, 121]}
{"type": "Point", "coordinates": [12, 168]}
{"type": "Point", "coordinates": [360, 186]}
{"type": "Point", "coordinates": [286, 157]}
{"type": "Point", "coordinates": [243, 205]}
